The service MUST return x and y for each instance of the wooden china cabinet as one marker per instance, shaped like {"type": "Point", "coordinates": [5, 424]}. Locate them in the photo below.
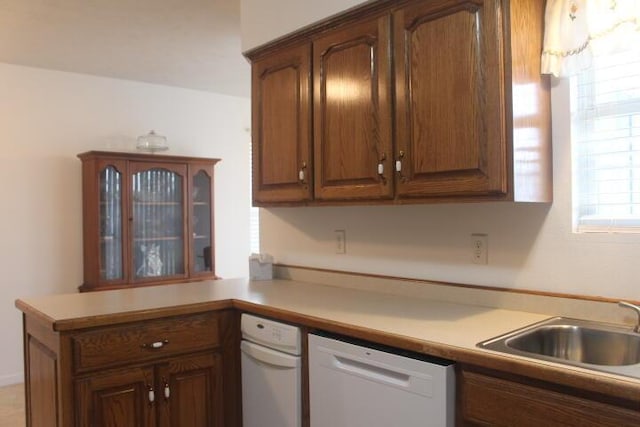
{"type": "Point", "coordinates": [147, 219]}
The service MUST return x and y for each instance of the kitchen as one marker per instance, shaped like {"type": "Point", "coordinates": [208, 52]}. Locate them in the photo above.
{"type": "Point", "coordinates": [531, 247]}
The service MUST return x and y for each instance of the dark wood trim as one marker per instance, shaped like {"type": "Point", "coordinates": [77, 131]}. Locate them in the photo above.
{"type": "Point", "coordinates": [144, 156]}
{"type": "Point", "coordinates": [461, 285]}
{"type": "Point", "coordinates": [231, 375]}
{"type": "Point", "coordinates": [405, 201]}
{"type": "Point", "coordinates": [306, 402]}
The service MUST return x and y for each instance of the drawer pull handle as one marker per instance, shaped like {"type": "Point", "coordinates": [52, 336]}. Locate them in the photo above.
{"type": "Point", "coordinates": [155, 345]}
{"type": "Point", "coordinates": [167, 391]}
{"type": "Point", "coordinates": [301, 172]}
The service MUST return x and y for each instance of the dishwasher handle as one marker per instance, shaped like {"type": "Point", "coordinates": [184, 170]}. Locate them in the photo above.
{"type": "Point", "coordinates": [269, 356]}
{"type": "Point", "coordinates": [372, 372]}
{"type": "Point", "coordinates": [370, 368]}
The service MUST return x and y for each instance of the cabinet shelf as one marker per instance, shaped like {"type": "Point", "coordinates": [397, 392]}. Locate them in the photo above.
{"type": "Point", "coordinates": [138, 203]}
{"type": "Point", "coordinates": [154, 239]}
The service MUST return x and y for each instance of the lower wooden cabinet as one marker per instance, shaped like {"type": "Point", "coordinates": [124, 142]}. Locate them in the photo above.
{"type": "Point", "coordinates": [183, 391]}
{"type": "Point", "coordinates": [488, 400]}
{"type": "Point", "coordinates": [117, 399]}
{"type": "Point", "coordinates": [180, 371]}
{"type": "Point", "coordinates": [190, 391]}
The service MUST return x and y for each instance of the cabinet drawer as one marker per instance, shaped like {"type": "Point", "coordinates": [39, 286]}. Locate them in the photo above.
{"type": "Point", "coordinates": [493, 401]}
{"type": "Point", "coordinates": [145, 340]}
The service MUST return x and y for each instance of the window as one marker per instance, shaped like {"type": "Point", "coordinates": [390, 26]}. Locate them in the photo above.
{"type": "Point", "coordinates": [254, 216]}
{"type": "Point", "coordinates": [254, 230]}
{"type": "Point", "coordinates": [605, 111]}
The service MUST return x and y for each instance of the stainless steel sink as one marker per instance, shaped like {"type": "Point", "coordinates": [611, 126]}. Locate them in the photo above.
{"type": "Point", "coordinates": [593, 345]}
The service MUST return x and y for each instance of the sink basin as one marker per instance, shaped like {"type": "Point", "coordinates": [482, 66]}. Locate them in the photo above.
{"type": "Point", "coordinates": [593, 345]}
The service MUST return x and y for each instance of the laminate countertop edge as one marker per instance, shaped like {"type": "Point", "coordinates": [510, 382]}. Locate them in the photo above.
{"type": "Point", "coordinates": [264, 298]}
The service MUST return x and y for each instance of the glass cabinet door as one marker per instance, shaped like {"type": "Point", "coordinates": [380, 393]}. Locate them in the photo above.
{"type": "Point", "coordinates": [201, 219]}
{"type": "Point", "coordinates": [157, 223]}
{"type": "Point", "coordinates": [111, 266]}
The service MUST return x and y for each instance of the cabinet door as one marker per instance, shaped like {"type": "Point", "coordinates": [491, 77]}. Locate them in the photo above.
{"type": "Point", "coordinates": [158, 227]}
{"type": "Point", "coordinates": [281, 126]}
{"type": "Point", "coordinates": [111, 222]}
{"type": "Point", "coordinates": [124, 398]}
{"type": "Point", "coordinates": [107, 224]}
{"type": "Point", "coordinates": [450, 130]}
{"type": "Point", "coordinates": [485, 400]}
{"type": "Point", "coordinates": [352, 112]}
{"type": "Point", "coordinates": [201, 232]}
{"type": "Point", "coordinates": [191, 392]}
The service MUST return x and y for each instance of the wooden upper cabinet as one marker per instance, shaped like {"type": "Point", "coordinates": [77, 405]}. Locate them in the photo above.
{"type": "Point", "coordinates": [414, 101]}
{"type": "Point", "coordinates": [352, 112]}
{"type": "Point", "coordinates": [281, 126]}
{"type": "Point", "coordinates": [449, 117]}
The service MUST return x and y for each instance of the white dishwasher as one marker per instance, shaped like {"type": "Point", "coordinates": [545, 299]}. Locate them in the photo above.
{"type": "Point", "coordinates": [271, 367]}
{"type": "Point", "coordinates": [354, 384]}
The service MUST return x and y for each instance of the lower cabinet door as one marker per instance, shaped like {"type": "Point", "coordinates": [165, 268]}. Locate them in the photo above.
{"type": "Point", "coordinates": [124, 398]}
{"type": "Point", "coordinates": [486, 400]}
{"type": "Point", "coordinates": [190, 392]}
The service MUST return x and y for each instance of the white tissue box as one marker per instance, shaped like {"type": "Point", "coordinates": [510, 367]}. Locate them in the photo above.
{"type": "Point", "coordinates": [260, 267]}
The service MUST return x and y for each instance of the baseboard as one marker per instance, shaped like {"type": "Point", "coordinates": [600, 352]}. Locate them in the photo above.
{"type": "Point", "coordinates": [16, 378]}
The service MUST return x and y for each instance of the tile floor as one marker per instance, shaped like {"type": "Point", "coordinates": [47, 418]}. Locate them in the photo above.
{"type": "Point", "coordinates": [12, 406]}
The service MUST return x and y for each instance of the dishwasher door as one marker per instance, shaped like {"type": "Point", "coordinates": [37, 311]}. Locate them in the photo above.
{"type": "Point", "coordinates": [271, 391]}
{"type": "Point", "coordinates": [355, 386]}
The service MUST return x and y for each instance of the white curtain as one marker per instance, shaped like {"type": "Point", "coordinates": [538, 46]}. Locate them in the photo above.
{"type": "Point", "coordinates": [576, 30]}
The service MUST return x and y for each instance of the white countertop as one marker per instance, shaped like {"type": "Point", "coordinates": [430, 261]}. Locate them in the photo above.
{"type": "Point", "coordinates": [460, 325]}
{"type": "Point", "coordinates": [432, 324]}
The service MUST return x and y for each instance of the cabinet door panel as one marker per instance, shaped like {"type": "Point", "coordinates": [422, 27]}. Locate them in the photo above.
{"type": "Point", "coordinates": [112, 216]}
{"type": "Point", "coordinates": [281, 126]}
{"type": "Point", "coordinates": [352, 112]}
{"type": "Point", "coordinates": [493, 401]}
{"type": "Point", "coordinates": [201, 233]}
{"type": "Point", "coordinates": [450, 124]}
{"type": "Point", "coordinates": [158, 226]}
{"type": "Point", "coordinates": [119, 399]}
{"type": "Point", "coordinates": [191, 392]}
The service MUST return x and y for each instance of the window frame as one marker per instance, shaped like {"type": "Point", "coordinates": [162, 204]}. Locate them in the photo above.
{"type": "Point", "coordinates": [584, 111]}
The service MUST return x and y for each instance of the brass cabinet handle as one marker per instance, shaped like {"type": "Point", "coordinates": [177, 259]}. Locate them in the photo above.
{"type": "Point", "coordinates": [155, 345]}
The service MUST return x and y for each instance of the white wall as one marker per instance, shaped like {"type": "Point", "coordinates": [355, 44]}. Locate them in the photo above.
{"type": "Point", "coordinates": [46, 118]}
{"type": "Point", "coordinates": [262, 21]}
{"type": "Point", "coordinates": [530, 246]}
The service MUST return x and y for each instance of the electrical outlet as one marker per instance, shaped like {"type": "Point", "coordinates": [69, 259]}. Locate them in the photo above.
{"type": "Point", "coordinates": [340, 241]}
{"type": "Point", "coordinates": [480, 248]}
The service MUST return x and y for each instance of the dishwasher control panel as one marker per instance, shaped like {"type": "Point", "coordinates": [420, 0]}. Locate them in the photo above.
{"type": "Point", "coordinates": [269, 333]}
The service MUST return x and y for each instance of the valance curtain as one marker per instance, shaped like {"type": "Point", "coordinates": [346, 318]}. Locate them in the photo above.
{"type": "Point", "coordinates": [576, 30]}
